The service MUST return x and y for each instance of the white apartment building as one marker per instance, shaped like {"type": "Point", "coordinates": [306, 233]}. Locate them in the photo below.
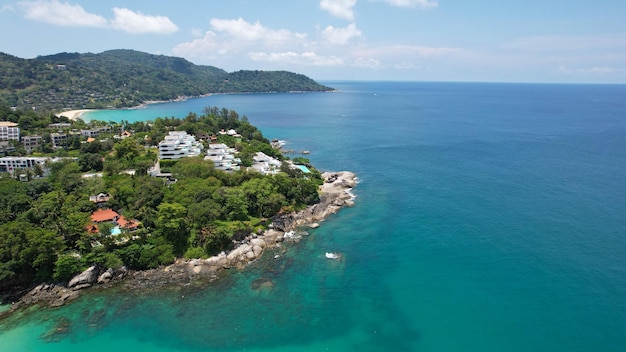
{"type": "Point", "coordinates": [58, 139]}
{"type": "Point", "coordinates": [11, 164]}
{"type": "Point", "coordinates": [222, 157]}
{"type": "Point", "coordinates": [179, 144]}
{"type": "Point", "coordinates": [265, 164]}
{"type": "Point", "coordinates": [9, 131]}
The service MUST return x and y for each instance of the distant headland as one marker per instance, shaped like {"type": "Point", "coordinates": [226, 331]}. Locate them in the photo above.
{"type": "Point", "coordinates": [127, 78]}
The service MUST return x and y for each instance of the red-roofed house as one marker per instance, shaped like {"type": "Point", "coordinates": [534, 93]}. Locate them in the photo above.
{"type": "Point", "coordinates": [104, 215]}
{"type": "Point", "coordinates": [131, 225]}
{"type": "Point", "coordinates": [108, 215]}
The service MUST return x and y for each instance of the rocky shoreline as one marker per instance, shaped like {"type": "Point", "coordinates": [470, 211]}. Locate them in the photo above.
{"type": "Point", "coordinates": [335, 193]}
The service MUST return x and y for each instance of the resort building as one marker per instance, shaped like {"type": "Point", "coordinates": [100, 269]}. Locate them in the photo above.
{"type": "Point", "coordinates": [178, 144]}
{"type": "Point", "coordinates": [95, 132]}
{"type": "Point", "coordinates": [100, 198]}
{"type": "Point", "coordinates": [223, 157]}
{"type": "Point", "coordinates": [9, 131]}
{"type": "Point", "coordinates": [58, 139]}
{"type": "Point", "coordinates": [60, 125]}
{"type": "Point", "coordinates": [265, 164]}
{"type": "Point", "coordinates": [31, 142]}
{"type": "Point", "coordinates": [230, 132]}
{"type": "Point", "coordinates": [109, 216]}
{"type": "Point", "coordinates": [11, 164]}
{"type": "Point", "coordinates": [6, 147]}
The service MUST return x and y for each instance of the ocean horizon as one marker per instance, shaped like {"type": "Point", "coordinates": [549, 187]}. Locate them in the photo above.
{"type": "Point", "coordinates": [488, 217]}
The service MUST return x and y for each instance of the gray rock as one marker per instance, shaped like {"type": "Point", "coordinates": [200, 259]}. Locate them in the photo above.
{"type": "Point", "coordinates": [106, 276]}
{"type": "Point", "coordinates": [88, 276]}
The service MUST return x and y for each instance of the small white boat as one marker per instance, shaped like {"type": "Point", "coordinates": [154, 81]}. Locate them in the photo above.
{"type": "Point", "coordinates": [331, 255]}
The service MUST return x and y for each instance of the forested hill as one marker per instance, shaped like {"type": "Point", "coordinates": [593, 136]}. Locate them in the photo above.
{"type": "Point", "coordinates": [126, 78]}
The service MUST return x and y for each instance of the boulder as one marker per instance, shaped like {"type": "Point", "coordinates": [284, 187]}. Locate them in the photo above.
{"type": "Point", "coordinates": [106, 276]}
{"type": "Point", "coordinates": [88, 276]}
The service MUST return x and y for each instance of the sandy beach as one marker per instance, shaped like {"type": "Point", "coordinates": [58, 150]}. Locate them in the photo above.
{"type": "Point", "coordinates": [73, 114]}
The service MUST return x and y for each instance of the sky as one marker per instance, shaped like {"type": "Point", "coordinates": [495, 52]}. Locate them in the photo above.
{"type": "Point", "coordinates": [554, 41]}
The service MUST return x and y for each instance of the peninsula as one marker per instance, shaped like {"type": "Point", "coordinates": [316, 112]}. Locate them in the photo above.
{"type": "Point", "coordinates": [335, 194]}
{"type": "Point", "coordinates": [146, 203]}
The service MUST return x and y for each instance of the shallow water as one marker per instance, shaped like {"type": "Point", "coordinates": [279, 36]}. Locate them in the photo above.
{"type": "Point", "coordinates": [489, 217]}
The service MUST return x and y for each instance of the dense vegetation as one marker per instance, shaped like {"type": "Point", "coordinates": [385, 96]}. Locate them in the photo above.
{"type": "Point", "coordinates": [44, 222]}
{"type": "Point", "coordinates": [125, 78]}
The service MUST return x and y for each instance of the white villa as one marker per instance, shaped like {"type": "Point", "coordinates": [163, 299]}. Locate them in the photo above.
{"type": "Point", "coordinates": [179, 144]}
{"type": "Point", "coordinates": [223, 157]}
{"type": "Point", "coordinates": [230, 132]}
{"type": "Point", "coordinates": [265, 164]}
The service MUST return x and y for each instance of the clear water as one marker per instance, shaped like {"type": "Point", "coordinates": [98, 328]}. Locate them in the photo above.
{"type": "Point", "coordinates": [489, 217]}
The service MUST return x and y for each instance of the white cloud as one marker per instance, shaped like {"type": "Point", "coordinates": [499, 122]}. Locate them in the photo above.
{"type": "Point", "coordinates": [407, 66]}
{"type": "Point", "coordinates": [236, 43]}
{"type": "Point", "coordinates": [340, 36]}
{"type": "Point", "coordinates": [552, 43]}
{"type": "Point", "coordinates": [339, 8]}
{"type": "Point", "coordinates": [406, 51]}
{"type": "Point", "coordinates": [411, 3]}
{"type": "Point", "coordinates": [206, 46]}
{"type": "Point", "coordinates": [68, 15]}
{"type": "Point", "coordinates": [362, 62]}
{"type": "Point", "coordinates": [240, 30]}
{"type": "Point", "coordinates": [290, 57]}
{"type": "Point", "coordinates": [61, 14]}
{"type": "Point", "coordinates": [136, 22]}
{"type": "Point", "coordinates": [228, 37]}
{"type": "Point", "coordinates": [592, 70]}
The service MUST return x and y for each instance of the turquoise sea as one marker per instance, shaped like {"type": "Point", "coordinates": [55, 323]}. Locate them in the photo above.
{"type": "Point", "coordinates": [489, 217]}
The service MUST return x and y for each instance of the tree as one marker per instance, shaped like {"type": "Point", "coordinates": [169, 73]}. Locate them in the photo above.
{"type": "Point", "coordinates": [66, 176]}
{"type": "Point", "coordinates": [172, 224]}
{"type": "Point", "coordinates": [127, 150]}
{"type": "Point", "coordinates": [28, 253]}
{"type": "Point", "coordinates": [89, 162]}
{"type": "Point", "coordinates": [262, 197]}
{"type": "Point", "coordinates": [236, 204]}
{"type": "Point", "coordinates": [14, 199]}
{"type": "Point", "coordinates": [195, 167]}
{"type": "Point", "coordinates": [66, 267]}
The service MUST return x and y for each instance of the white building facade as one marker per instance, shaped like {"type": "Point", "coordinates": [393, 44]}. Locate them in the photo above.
{"type": "Point", "coordinates": [9, 131]}
{"type": "Point", "coordinates": [179, 144]}
{"type": "Point", "coordinates": [11, 164]}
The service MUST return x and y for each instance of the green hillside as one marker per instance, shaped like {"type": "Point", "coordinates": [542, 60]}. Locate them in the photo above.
{"type": "Point", "coordinates": [126, 78]}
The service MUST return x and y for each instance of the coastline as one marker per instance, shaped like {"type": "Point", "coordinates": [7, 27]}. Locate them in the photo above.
{"type": "Point", "coordinates": [335, 194]}
{"type": "Point", "coordinates": [74, 114]}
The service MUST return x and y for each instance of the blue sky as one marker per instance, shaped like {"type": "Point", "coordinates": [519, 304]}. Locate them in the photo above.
{"type": "Point", "coordinates": [420, 40]}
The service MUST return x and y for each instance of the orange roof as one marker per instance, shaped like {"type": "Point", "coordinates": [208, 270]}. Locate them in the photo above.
{"type": "Point", "coordinates": [101, 215]}
{"type": "Point", "coordinates": [129, 224]}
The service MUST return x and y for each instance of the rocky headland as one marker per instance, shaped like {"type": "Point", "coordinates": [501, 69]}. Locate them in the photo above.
{"type": "Point", "coordinates": [335, 193]}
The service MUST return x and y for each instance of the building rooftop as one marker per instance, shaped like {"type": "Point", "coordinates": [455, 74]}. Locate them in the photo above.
{"type": "Point", "coordinates": [102, 215]}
